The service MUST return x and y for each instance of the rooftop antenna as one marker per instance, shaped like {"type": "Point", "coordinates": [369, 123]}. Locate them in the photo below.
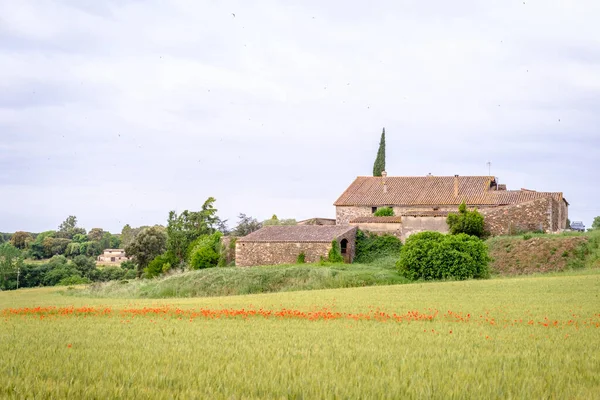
{"type": "Point", "coordinates": [489, 164]}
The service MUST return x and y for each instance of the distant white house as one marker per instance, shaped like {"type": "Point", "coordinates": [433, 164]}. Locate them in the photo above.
{"type": "Point", "coordinates": [112, 256]}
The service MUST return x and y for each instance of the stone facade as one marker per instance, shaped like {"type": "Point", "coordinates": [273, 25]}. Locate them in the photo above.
{"type": "Point", "coordinates": [416, 224]}
{"type": "Point", "coordinates": [345, 214]}
{"type": "Point", "coordinates": [249, 252]}
{"type": "Point", "coordinates": [112, 256]}
{"type": "Point", "coordinates": [394, 228]}
{"type": "Point", "coordinates": [259, 253]}
{"type": "Point", "coordinates": [535, 215]}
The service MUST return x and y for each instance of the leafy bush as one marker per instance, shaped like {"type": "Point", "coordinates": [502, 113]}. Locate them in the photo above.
{"type": "Point", "coordinates": [55, 275]}
{"type": "Point", "coordinates": [205, 251]}
{"type": "Point", "coordinates": [469, 222]}
{"type": "Point", "coordinates": [384, 212]}
{"type": "Point", "coordinates": [160, 264]}
{"type": "Point", "coordinates": [130, 274]}
{"type": "Point", "coordinates": [86, 266]}
{"type": "Point", "coordinates": [370, 246]}
{"type": "Point", "coordinates": [301, 258]}
{"type": "Point", "coordinates": [111, 274]}
{"type": "Point", "coordinates": [335, 253]}
{"type": "Point", "coordinates": [73, 280]}
{"type": "Point", "coordinates": [432, 255]}
{"type": "Point", "coordinates": [227, 252]}
{"type": "Point", "coordinates": [127, 265]}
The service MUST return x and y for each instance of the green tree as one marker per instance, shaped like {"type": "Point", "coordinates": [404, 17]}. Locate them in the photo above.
{"type": "Point", "coordinates": [384, 212]}
{"type": "Point", "coordinates": [68, 228]}
{"type": "Point", "coordinates": [86, 266]}
{"type": "Point", "coordinates": [11, 260]}
{"type": "Point", "coordinates": [246, 225]}
{"type": "Point", "coordinates": [160, 264]}
{"type": "Point", "coordinates": [188, 226]}
{"type": "Point", "coordinates": [379, 165]}
{"type": "Point", "coordinates": [73, 249]}
{"type": "Point", "coordinates": [95, 234]}
{"type": "Point", "coordinates": [274, 221]}
{"type": "Point", "coordinates": [596, 223]}
{"type": "Point", "coordinates": [21, 239]}
{"type": "Point", "coordinates": [469, 222]}
{"type": "Point", "coordinates": [150, 243]}
{"type": "Point", "coordinates": [205, 251]}
{"type": "Point", "coordinates": [126, 235]}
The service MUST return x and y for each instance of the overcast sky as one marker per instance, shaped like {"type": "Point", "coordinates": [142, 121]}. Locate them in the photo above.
{"type": "Point", "coordinates": [118, 111]}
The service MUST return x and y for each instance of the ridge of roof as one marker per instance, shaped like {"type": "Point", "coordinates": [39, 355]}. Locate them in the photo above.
{"type": "Point", "coordinates": [297, 233]}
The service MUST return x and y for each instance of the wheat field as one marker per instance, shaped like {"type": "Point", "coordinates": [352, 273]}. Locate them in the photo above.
{"type": "Point", "coordinates": [529, 337]}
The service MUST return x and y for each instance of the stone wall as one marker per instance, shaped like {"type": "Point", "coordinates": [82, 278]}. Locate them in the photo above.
{"type": "Point", "coordinates": [380, 228]}
{"type": "Point", "coordinates": [564, 214]}
{"type": "Point", "coordinates": [272, 253]}
{"type": "Point", "coordinates": [412, 225]}
{"type": "Point", "coordinates": [345, 214]}
{"type": "Point", "coordinates": [530, 216]}
{"type": "Point", "coordinates": [263, 253]}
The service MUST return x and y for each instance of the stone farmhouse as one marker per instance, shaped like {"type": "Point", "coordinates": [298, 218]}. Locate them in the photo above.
{"type": "Point", "coordinates": [112, 256]}
{"type": "Point", "coordinates": [282, 244]}
{"type": "Point", "coordinates": [423, 202]}
{"type": "Point", "coordinates": [420, 203]}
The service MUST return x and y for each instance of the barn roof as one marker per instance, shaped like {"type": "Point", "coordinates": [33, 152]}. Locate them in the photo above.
{"type": "Point", "coordinates": [377, 220]}
{"type": "Point", "coordinates": [433, 190]}
{"type": "Point", "coordinates": [298, 233]}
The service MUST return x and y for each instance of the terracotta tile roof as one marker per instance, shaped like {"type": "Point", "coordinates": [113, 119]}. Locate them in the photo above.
{"type": "Point", "coordinates": [426, 214]}
{"type": "Point", "coordinates": [297, 233]}
{"type": "Point", "coordinates": [431, 190]}
{"type": "Point", "coordinates": [377, 220]}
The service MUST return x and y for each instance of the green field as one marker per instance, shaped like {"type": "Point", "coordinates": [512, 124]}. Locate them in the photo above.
{"type": "Point", "coordinates": [529, 337]}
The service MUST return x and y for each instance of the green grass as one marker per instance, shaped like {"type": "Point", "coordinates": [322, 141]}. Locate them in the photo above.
{"type": "Point", "coordinates": [264, 279]}
{"type": "Point", "coordinates": [164, 357]}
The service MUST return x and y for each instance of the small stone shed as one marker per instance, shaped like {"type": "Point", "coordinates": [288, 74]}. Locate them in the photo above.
{"type": "Point", "coordinates": [282, 244]}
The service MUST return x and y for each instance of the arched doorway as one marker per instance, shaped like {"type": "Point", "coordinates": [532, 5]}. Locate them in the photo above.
{"type": "Point", "coordinates": [344, 250]}
{"type": "Point", "coordinates": [344, 246]}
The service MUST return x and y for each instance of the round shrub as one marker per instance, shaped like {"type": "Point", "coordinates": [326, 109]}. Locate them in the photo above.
{"type": "Point", "coordinates": [384, 212]}
{"type": "Point", "coordinates": [432, 255]}
{"type": "Point", "coordinates": [469, 222]}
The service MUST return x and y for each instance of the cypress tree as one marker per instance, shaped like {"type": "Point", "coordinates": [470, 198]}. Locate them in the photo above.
{"type": "Point", "coordinates": [379, 165]}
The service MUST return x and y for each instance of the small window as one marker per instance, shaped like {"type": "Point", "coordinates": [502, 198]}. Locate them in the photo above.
{"type": "Point", "coordinates": [373, 209]}
{"type": "Point", "coordinates": [344, 245]}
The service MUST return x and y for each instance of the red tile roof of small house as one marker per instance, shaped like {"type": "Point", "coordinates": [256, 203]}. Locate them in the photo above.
{"type": "Point", "coordinates": [298, 233]}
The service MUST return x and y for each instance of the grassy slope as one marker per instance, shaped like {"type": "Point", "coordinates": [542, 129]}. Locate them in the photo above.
{"type": "Point", "coordinates": [527, 254]}
{"type": "Point", "coordinates": [152, 357]}
{"type": "Point", "coordinates": [234, 281]}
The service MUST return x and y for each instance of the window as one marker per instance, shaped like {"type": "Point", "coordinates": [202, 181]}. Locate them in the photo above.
{"type": "Point", "coordinates": [344, 245]}
{"type": "Point", "coordinates": [373, 209]}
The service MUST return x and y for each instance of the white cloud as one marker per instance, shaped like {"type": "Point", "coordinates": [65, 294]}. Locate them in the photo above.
{"type": "Point", "coordinates": [123, 110]}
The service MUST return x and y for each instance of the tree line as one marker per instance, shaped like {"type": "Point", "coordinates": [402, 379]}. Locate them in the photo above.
{"type": "Point", "coordinates": [67, 255]}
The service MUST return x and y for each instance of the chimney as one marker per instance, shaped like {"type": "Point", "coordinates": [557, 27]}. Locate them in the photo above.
{"type": "Point", "coordinates": [383, 176]}
{"type": "Point", "coordinates": [455, 185]}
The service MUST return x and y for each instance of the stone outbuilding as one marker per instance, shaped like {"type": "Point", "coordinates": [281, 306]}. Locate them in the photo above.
{"type": "Point", "coordinates": [282, 244]}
